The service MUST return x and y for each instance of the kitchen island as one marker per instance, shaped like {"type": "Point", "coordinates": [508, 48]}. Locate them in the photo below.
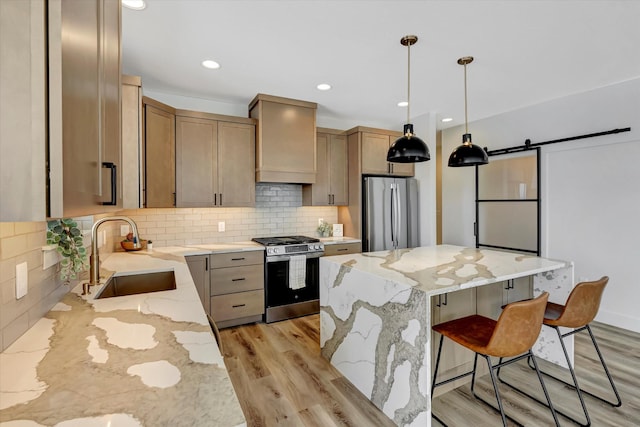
{"type": "Point", "coordinates": [375, 315]}
{"type": "Point", "coordinates": [138, 360]}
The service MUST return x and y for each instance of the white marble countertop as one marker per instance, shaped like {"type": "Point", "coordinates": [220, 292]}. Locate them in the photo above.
{"type": "Point", "coordinates": [138, 360]}
{"type": "Point", "coordinates": [336, 240]}
{"type": "Point", "coordinates": [445, 268]}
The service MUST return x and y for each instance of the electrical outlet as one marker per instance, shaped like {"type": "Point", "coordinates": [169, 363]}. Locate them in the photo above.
{"type": "Point", "coordinates": [221, 226]}
{"type": "Point", "coordinates": [102, 238]}
{"type": "Point", "coordinates": [124, 230]}
{"type": "Point", "coordinates": [22, 280]}
{"type": "Point", "coordinates": [320, 221]}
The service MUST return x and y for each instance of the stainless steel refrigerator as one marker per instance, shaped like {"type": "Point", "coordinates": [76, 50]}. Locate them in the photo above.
{"type": "Point", "coordinates": [389, 213]}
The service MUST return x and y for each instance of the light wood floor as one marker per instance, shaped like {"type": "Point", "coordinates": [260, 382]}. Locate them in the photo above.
{"type": "Point", "coordinates": [281, 380]}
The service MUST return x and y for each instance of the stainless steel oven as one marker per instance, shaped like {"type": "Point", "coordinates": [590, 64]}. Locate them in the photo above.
{"type": "Point", "coordinates": [291, 277]}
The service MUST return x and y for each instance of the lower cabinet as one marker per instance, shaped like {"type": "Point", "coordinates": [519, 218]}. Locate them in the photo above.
{"type": "Point", "coordinates": [342, 248]}
{"type": "Point", "coordinates": [455, 359]}
{"type": "Point", "coordinates": [236, 288]}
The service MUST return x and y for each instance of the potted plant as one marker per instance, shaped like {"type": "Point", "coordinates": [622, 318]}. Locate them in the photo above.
{"type": "Point", "coordinates": [324, 229]}
{"type": "Point", "coordinates": [65, 234]}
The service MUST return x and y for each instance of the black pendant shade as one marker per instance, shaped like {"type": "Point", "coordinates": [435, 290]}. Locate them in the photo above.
{"type": "Point", "coordinates": [468, 154]}
{"type": "Point", "coordinates": [408, 148]}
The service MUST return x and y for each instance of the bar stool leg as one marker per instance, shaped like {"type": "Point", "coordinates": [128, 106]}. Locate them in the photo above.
{"type": "Point", "coordinates": [606, 370]}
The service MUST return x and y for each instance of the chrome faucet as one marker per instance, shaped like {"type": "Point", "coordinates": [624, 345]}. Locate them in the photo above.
{"type": "Point", "coordinates": [94, 259]}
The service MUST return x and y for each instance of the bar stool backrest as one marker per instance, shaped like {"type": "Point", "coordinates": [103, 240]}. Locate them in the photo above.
{"type": "Point", "coordinates": [518, 327]}
{"type": "Point", "coordinates": [583, 304]}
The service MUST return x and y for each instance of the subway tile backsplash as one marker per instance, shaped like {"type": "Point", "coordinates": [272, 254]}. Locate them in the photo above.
{"type": "Point", "coordinates": [278, 212]}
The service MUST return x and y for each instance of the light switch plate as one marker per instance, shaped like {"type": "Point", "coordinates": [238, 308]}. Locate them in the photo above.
{"type": "Point", "coordinates": [22, 280]}
{"type": "Point", "coordinates": [221, 226]}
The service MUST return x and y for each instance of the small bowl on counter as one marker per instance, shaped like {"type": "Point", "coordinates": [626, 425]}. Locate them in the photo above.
{"type": "Point", "coordinates": [128, 245]}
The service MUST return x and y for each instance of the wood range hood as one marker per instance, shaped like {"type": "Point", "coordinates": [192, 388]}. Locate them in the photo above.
{"type": "Point", "coordinates": [285, 139]}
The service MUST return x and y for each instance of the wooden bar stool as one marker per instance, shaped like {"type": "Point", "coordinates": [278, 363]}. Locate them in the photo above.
{"type": "Point", "coordinates": [512, 336]}
{"type": "Point", "coordinates": [579, 310]}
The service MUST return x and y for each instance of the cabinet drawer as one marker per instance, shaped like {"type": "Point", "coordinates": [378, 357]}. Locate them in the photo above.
{"type": "Point", "coordinates": [237, 279]}
{"type": "Point", "coordinates": [234, 306]}
{"type": "Point", "coordinates": [234, 259]}
{"type": "Point", "coordinates": [342, 248]}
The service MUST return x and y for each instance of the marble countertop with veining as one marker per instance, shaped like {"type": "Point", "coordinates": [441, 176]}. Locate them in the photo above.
{"type": "Point", "coordinates": [137, 360]}
{"type": "Point", "coordinates": [445, 268]}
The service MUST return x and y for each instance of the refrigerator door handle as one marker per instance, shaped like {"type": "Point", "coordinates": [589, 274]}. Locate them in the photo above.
{"type": "Point", "coordinates": [397, 216]}
{"type": "Point", "coordinates": [393, 219]}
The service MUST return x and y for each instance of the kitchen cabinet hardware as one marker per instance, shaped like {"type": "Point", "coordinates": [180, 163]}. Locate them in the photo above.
{"type": "Point", "coordinates": [237, 259]}
{"type": "Point", "coordinates": [238, 305]}
{"type": "Point", "coordinates": [114, 184]}
{"type": "Point", "coordinates": [343, 249]}
{"type": "Point", "coordinates": [238, 280]}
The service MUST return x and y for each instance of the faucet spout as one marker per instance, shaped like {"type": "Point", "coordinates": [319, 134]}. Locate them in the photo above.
{"type": "Point", "coordinates": [94, 259]}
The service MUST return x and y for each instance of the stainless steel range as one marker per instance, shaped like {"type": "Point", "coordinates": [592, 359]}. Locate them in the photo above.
{"type": "Point", "coordinates": [291, 276]}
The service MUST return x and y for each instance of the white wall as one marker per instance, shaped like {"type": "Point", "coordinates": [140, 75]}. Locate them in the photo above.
{"type": "Point", "coordinates": [425, 173]}
{"type": "Point", "coordinates": [590, 188]}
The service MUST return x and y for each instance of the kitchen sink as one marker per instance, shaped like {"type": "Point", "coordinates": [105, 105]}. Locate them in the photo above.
{"type": "Point", "coordinates": [138, 283]}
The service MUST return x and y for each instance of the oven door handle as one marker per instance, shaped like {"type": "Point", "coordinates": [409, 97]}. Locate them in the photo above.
{"type": "Point", "coordinates": [276, 258]}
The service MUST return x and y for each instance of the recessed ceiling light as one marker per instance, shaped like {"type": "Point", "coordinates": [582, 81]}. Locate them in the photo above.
{"type": "Point", "coordinates": [324, 86]}
{"type": "Point", "coordinates": [403, 104]}
{"type": "Point", "coordinates": [446, 119]}
{"type": "Point", "coordinates": [210, 64]}
{"type": "Point", "coordinates": [134, 4]}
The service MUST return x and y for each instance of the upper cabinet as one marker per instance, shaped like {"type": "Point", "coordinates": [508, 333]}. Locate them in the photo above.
{"type": "Point", "coordinates": [286, 139]}
{"type": "Point", "coordinates": [60, 127]}
{"type": "Point", "coordinates": [131, 142]}
{"type": "Point", "coordinates": [215, 160]}
{"type": "Point", "coordinates": [331, 186]}
{"type": "Point", "coordinates": [159, 154]}
{"type": "Point", "coordinates": [23, 132]}
{"type": "Point", "coordinates": [84, 106]}
{"type": "Point", "coordinates": [375, 144]}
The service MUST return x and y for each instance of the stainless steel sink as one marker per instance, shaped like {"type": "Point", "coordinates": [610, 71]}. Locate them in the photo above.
{"type": "Point", "coordinates": [138, 283]}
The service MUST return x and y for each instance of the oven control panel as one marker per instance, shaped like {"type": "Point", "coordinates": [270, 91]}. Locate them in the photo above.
{"type": "Point", "coordinates": [301, 249]}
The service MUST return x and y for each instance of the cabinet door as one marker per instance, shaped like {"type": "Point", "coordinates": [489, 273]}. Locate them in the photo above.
{"type": "Point", "coordinates": [160, 162]}
{"type": "Point", "coordinates": [491, 298]}
{"type": "Point", "coordinates": [110, 104]}
{"type": "Point", "coordinates": [374, 154]}
{"type": "Point", "coordinates": [74, 108]}
{"type": "Point", "coordinates": [236, 164]}
{"type": "Point", "coordinates": [318, 193]}
{"type": "Point", "coordinates": [199, 269]}
{"type": "Point", "coordinates": [196, 157]}
{"type": "Point", "coordinates": [131, 142]}
{"type": "Point", "coordinates": [453, 305]}
{"type": "Point", "coordinates": [22, 102]}
{"type": "Point", "coordinates": [338, 169]}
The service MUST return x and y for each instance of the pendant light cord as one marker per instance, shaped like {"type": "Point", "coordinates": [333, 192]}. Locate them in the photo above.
{"type": "Point", "coordinates": [466, 122]}
{"type": "Point", "coordinates": [408, 80]}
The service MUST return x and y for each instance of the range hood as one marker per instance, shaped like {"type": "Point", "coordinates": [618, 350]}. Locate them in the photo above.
{"type": "Point", "coordinates": [285, 139]}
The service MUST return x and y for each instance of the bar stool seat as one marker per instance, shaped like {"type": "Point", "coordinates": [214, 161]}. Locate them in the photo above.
{"type": "Point", "coordinates": [512, 336]}
{"type": "Point", "coordinates": [580, 309]}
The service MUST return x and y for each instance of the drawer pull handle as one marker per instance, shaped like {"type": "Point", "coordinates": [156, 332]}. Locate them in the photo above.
{"type": "Point", "coordinates": [238, 280]}
{"type": "Point", "coordinates": [343, 249]}
{"type": "Point", "coordinates": [238, 305]}
{"type": "Point", "coordinates": [237, 259]}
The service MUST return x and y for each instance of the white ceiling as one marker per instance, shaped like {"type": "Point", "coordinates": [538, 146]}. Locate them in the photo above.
{"type": "Point", "coordinates": [525, 52]}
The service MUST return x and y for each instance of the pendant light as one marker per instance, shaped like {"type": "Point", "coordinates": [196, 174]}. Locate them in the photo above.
{"type": "Point", "coordinates": [408, 148]}
{"type": "Point", "coordinates": [467, 154]}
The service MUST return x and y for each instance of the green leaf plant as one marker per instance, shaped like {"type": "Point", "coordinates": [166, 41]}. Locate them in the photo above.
{"type": "Point", "coordinates": [65, 234]}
